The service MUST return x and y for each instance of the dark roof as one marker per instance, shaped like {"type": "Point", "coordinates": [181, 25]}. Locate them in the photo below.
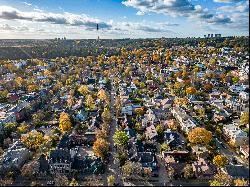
{"type": "Point", "coordinates": [168, 136]}
{"type": "Point", "coordinates": [60, 156]}
{"type": "Point", "coordinates": [43, 164]}
{"type": "Point", "coordinates": [88, 164]}
{"type": "Point", "coordinates": [237, 171]}
{"type": "Point", "coordinates": [65, 142]}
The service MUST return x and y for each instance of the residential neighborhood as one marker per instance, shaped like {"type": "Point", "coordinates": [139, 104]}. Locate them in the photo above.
{"type": "Point", "coordinates": [154, 116]}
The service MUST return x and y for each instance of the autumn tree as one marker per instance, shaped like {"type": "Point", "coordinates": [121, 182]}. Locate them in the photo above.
{"type": "Point", "coordinates": [102, 95]}
{"type": "Point", "coordinates": [73, 182]}
{"type": "Point", "coordinates": [83, 89]}
{"type": "Point", "coordinates": [220, 161]}
{"type": "Point", "coordinates": [111, 180]}
{"type": "Point", "coordinates": [61, 180]}
{"type": "Point", "coordinates": [64, 122]}
{"type": "Point", "coordinates": [221, 179]}
{"type": "Point", "coordinates": [199, 136]}
{"type": "Point", "coordinates": [139, 111]}
{"type": "Point", "coordinates": [244, 119]}
{"type": "Point", "coordinates": [191, 90]}
{"type": "Point", "coordinates": [101, 148]}
{"type": "Point", "coordinates": [90, 102]}
{"type": "Point", "coordinates": [241, 182]}
{"type": "Point", "coordinates": [33, 140]}
{"type": "Point", "coordinates": [29, 169]}
{"type": "Point", "coordinates": [188, 171]}
{"type": "Point", "coordinates": [131, 169]}
{"type": "Point", "coordinates": [120, 138]}
{"type": "Point", "coordinates": [106, 115]}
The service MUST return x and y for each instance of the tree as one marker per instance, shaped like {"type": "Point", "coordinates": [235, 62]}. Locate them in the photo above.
{"type": "Point", "coordinates": [164, 147]}
{"type": "Point", "coordinates": [33, 140]}
{"type": "Point", "coordinates": [218, 132]}
{"type": "Point", "coordinates": [64, 122]}
{"type": "Point", "coordinates": [131, 169]}
{"type": "Point", "coordinates": [188, 171]}
{"type": "Point", "coordinates": [29, 169]}
{"type": "Point", "coordinates": [220, 161]}
{"type": "Point", "coordinates": [73, 182]}
{"type": "Point", "coordinates": [101, 148]}
{"type": "Point", "coordinates": [199, 136]}
{"type": "Point", "coordinates": [90, 102]}
{"type": "Point", "coordinates": [61, 180]}
{"type": "Point", "coordinates": [244, 119]}
{"type": "Point", "coordinates": [191, 90]}
{"type": "Point", "coordinates": [139, 111]}
{"type": "Point", "coordinates": [102, 95]}
{"type": "Point", "coordinates": [241, 182]}
{"type": "Point", "coordinates": [160, 130]}
{"type": "Point", "coordinates": [111, 180]}
{"type": "Point", "coordinates": [6, 182]}
{"type": "Point", "coordinates": [208, 86]}
{"type": "Point", "coordinates": [36, 183]}
{"type": "Point", "coordinates": [106, 115]}
{"type": "Point", "coordinates": [223, 179]}
{"type": "Point", "coordinates": [8, 129]}
{"type": "Point", "coordinates": [120, 138]}
{"type": "Point", "coordinates": [83, 89]}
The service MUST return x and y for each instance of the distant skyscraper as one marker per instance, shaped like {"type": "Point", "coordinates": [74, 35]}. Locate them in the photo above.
{"type": "Point", "coordinates": [205, 36]}
{"type": "Point", "coordinates": [208, 35]}
{"type": "Point", "coordinates": [212, 35]}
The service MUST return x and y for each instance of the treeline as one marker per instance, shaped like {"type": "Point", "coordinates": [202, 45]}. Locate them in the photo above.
{"type": "Point", "coordinates": [26, 49]}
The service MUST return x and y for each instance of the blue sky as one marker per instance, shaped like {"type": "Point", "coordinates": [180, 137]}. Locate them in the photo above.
{"type": "Point", "coordinates": [77, 19]}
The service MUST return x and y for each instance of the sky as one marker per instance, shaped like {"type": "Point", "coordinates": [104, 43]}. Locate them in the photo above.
{"type": "Point", "coordinates": [117, 19]}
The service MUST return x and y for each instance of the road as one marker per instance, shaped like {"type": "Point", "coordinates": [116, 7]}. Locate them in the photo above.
{"type": "Point", "coordinates": [113, 166]}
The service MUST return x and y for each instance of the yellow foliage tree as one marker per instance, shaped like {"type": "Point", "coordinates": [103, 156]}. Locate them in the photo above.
{"type": "Point", "coordinates": [101, 148]}
{"type": "Point", "coordinates": [64, 122]}
{"type": "Point", "coordinates": [191, 90]}
{"type": "Point", "coordinates": [241, 182]}
{"type": "Point", "coordinates": [33, 140]}
{"type": "Point", "coordinates": [90, 102]}
{"type": "Point", "coordinates": [83, 89]}
{"type": "Point", "coordinates": [199, 136]}
{"type": "Point", "coordinates": [102, 95]}
{"type": "Point", "coordinates": [220, 161]}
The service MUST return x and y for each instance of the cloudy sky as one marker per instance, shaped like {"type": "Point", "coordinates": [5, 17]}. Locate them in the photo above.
{"type": "Point", "coordinates": [77, 19]}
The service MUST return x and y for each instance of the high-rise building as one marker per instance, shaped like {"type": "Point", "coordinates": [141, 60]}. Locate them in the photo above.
{"type": "Point", "coordinates": [212, 35]}
{"type": "Point", "coordinates": [205, 36]}
{"type": "Point", "coordinates": [208, 35]}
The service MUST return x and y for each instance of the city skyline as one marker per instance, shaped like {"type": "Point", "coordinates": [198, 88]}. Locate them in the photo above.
{"type": "Point", "coordinates": [43, 19]}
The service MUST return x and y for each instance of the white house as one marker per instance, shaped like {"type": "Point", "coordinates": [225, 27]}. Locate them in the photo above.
{"type": "Point", "coordinates": [186, 122]}
{"type": "Point", "coordinates": [127, 110]}
{"type": "Point", "coordinates": [235, 135]}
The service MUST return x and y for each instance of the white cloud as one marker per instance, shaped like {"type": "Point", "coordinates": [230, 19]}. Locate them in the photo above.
{"type": "Point", "coordinates": [28, 4]}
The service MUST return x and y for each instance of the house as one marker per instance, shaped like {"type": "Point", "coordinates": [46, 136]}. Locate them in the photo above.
{"type": "Point", "coordinates": [60, 161]}
{"type": "Point", "coordinates": [186, 122]}
{"type": "Point", "coordinates": [172, 139]}
{"type": "Point", "coordinates": [235, 135]}
{"type": "Point", "coordinates": [14, 158]}
{"type": "Point", "coordinates": [7, 117]}
{"type": "Point", "coordinates": [203, 169]}
{"type": "Point", "coordinates": [151, 133]}
{"type": "Point", "coordinates": [200, 151]}
{"type": "Point", "coordinates": [149, 118]}
{"type": "Point", "coordinates": [237, 171]}
{"type": "Point", "coordinates": [127, 110]}
{"type": "Point", "coordinates": [244, 150]}
{"type": "Point", "coordinates": [237, 88]}
{"type": "Point", "coordinates": [244, 96]}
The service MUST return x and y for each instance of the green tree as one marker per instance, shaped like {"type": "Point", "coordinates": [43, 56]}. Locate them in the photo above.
{"type": "Point", "coordinates": [120, 138]}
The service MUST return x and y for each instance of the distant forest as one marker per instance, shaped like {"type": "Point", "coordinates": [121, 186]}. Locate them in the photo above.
{"type": "Point", "coordinates": [27, 49]}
